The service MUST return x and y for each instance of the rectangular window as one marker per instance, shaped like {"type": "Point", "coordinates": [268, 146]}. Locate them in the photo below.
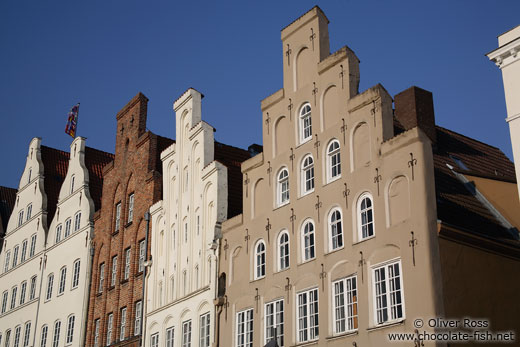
{"type": "Point", "coordinates": [77, 221]}
{"type": "Point", "coordinates": [345, 305]}
{"type": "Point", "coordinates": [23, 290]}
{"type": "Point", "coordinates": [110, 322]}
{"type": "Point", "coordinates": [169, 337]}
{"type": "Point", "coordinates": [138, 313]}
{"type": "Point", "coordinates": [308, 315]}
{"type": "Point", "coordinates": [387, 291]}
{"type": "Point", "coordinates": [20, 218]}
{"type": "Point", "coordinates": [130, 207]}
{"type": "Point", "coordinates": [56, 336]}
{"type": "Point", "coordinates": [186, 334]}
{"type": "Point", "coordinates": [122, 328]}
{"type": "Point", "coordinates": [13, 297]}
{"type": "Point", "coordinates": [29, 212]}
{"type": "Point", "coordinates": [15, 255]}
{"type": "Point", "coordinates": [96, 333]}
{"type": "Point", "coordinates": [50, 282]}
{"type": "Point", "coordinates": [27, 334]}
{"type": "Point", "coordinates": [204, 333]}
{"type": "Point", "coordinates": [32, 292]}
{"type": "Point", "coordinates": [127, 263]}
{"type": "Point", "coordinates": [142, 251]}
{"type": "Point", "coordinates": [75, 275]}
{"type": "Point", "coordinates": [63, 278]}
{"type": "Point", "coordinates": [24, 251]}
{"type": "Point", "coordinates": [101, 277]}
{"type": "Point", "coordinates": [68, 223]}
{"type": "Point", "coordinates": [7, 338]}
{"type": "Point", "coordinates": [118, 216]}
{"type": "Point", "coordinates": [70, 329]}
{"type": "Point", "coordinates": [274, 322]}
{"type": "Point", "coordinates": [33, 245]}
{"type": "Point", "coordinates": [245, 328]}
{"type": "Point", "coordinates": [4, 301]}
{"type": "Point", "coordinates": [154, 340]}
{"type": "Point", "coordinates": [114, 271]}
{"type": "Point", "coordinates": [7, 260]}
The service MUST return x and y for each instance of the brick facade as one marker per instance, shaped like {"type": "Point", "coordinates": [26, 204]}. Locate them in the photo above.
{"type": "Point", "coordinates": [136, 170]}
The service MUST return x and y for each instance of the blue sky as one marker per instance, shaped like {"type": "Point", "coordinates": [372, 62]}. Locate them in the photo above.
{"type": "Point", "coordinates": [101, 53]}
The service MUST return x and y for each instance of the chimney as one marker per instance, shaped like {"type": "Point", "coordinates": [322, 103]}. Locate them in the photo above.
{"type": "Point", "coordinates": [414, 107]}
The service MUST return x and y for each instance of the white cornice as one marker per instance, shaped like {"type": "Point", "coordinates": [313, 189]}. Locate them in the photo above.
{"type": "Point", "coordinates": [506, 55]}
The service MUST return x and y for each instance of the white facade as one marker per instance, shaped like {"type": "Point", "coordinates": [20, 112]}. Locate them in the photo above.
{"type": "Point", "coordinates": [21, 270]}
{"type": "Point", "coordinates": [67, 257]}
{"type": "Point", "coordinates": [185, 233]}
{"type": "Point", "coordinates": [507, 58]}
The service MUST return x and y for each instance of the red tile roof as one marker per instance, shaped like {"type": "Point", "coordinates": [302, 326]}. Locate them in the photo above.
{"type": "Point", "coordinates": [7, 199]}
{"type": "Point", "coordinates": [95, 160]}
{"type": "Point", "coordinates": [55, 165]}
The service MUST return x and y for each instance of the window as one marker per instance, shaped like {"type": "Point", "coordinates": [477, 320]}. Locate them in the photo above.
{"type": "Point", "coordinates": [345, 305]}
{"type": "Point", "coordinates": [142, 251]}
{"type": "Point", "coordinates": [260, 259]}
{"type": "Point", "coordinates": [110, 322]}
{"type": "Point", "coordinates": [26, 334]}
{"type": "Point", "coordinates": [204, 330]}
{"type": "Point", "coordinates": [63, 277]}
{"type": "Point", "coordinates": [43, 336]}
{"type": "Point", "coordinates": [5, 295]}
{"type": "Point", "coordinates": [186, 334]}
{"type": "Point", "coordinates": [33, 245]}
{"type": "Point", "coordinates": [185, 232]}
{"type": "Point", "coordinates": [387, 293]}
{"type": "Point", "coordinates": [274, 322]}
{"type": "Point", "coordinates": [13, 297]}
{"type": "Point", "coordinates": [7, 338]}
{"type": "Point", "coordinates": [7, 260]}
{"type": "Point", "coordinates": [130, 207]}
{"type": "Point", "coordinates": [365, 217]}
{"type": "Point", "coordinates": [333, 161]}
{"type": "Point", "coordinates": [70, 329]}
{"type": "Point", "coordinates": [283, 187]}
{"type": "Point", "coordinates": [15, 255]}
{"type": "Point", "coordinates": [154, 340]}
{"type": "Point", "coordinates": [169, 337]}
{"type": "Point", "coordinates": [29, 212]}
{"type": "Point", "coordinates": [118, 216]}
{"type": "Point", "coordinates": [20, 218]}
{"type": "Point", "coordinates": [305, 123]}
{"type": "Point", "coordinates": [72, 179]}
{"type": "Point", "coordinates": [283, 251]}
{"type": "Point", "coordinates": [138, 313]}
{"type": "Point", "coordinates": [308, 251]}
{"type": "Point", "coordinates": [68, 223]}
{"type": "Point", "coordinates": [58, 233]}
{"type": "Point", "coordinates": [101, 277]}
{"type": "Point", "coordinates": [32, 292]}
{"type": "Point", "coordinates": [23, 290]}
{"type": "Point", "coordinates": [96, 333]}
{"type": "Point", "coordinates": [75, 274]}
{"type": "Point", "coordinates": [77, 221]}
{"type": "Point", "coordinates": [127, 263]}
{"type": "Point", "coordinates": [17, 333]}
{"type": "Point", "coordinates": [30, 174]}
{"type": "Point", "coordinates": [50, 282]}
{"type": "Point", "coordinates": [122, 326]}
{"type": "Point", "coordinates": [308, 315]}
{"type": "Point", "coordinates": [245, 328]}
{"type": "Point", "coordinates": [335, 230]}
{"type": "Point", "coordinates": [307, 175]}
{"type": "Point", "coordinates": [56, 336]}
{"type": "Point", "coordinates": [24, 251]}
{"type": "Point", "coordinates": [114, 271]}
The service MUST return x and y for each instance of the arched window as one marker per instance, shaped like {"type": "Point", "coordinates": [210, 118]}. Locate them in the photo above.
{"type": "Point", "coordinates": [365, 213]}
{"type": "Point", "coordinates": [305, 123]}
{"type": "Point", "coordinates": [283, 187]}
{"type": "Point", "coordinates": [68, 223]}
{"type": "Point", "coordinates": [43, 336]}
{"type": "Point", "coordinates": [58, 233]}
{"type": "Point", "coordinates": [333, 161]}
{"type": "Point", "coordinates": [308, 249]}
{"type": "Point", "coordinates": [335, 230]}
{"type": "Point", "coordinates": [259, 259]}
{"type": "Point", "coordinates": [283, 250]}
{"type": "Point", "coordinates": [77, 221]}
{"type": "Point", "coordinates": [307, 175]}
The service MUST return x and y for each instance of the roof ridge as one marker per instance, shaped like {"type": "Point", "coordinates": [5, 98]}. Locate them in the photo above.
{"type": "Point", "coordinates": [469, 138]}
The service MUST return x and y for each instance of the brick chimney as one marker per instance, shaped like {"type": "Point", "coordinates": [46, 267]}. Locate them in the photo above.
{"type": "Point", "coordinates": [414, 107]}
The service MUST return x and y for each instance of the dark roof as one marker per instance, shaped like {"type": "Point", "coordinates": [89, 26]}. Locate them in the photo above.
{"type": "Point", "coordinates": [7, 199]}
{"type": "Point", "coordinates": [55, 165]}
{"type": "Point", "coordinates": [232, 158]}
{"type": "Point", "coordinates": [95, 160]}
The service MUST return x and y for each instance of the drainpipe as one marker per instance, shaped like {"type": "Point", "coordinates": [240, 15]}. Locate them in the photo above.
{"type": "Point", "coordinates": [143, 300]}
{"type": "Point", "coordinates": [86, 304]}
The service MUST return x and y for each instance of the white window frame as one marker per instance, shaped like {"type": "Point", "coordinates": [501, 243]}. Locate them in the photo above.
{"type": "Point", "coordinates": [138, 313]}
{"type": "Point", "coordinates": [113, 275]}
{"type": "Point", "coordinates": [23, 291]}
{"type": "Point", "coordinates": [77, 221]}
{"type": "Point", "coordinates": [128, 257]}
{"type": "Point", "coordinates": [23, 256]}
{"type": "Point", "coordinates": [142, 255]}
{"type": "Point", "coordinates": [29, 212]}
{"type": "Point", "coordinates": [345, 305]}
{"type": "Point", "coordinates": [15, 255]}
{"type": "Point", "coordinates": [96, 332]}
{"type": "Point", "coordinates": [68, 226]}
{"type": "Point", "coordinates": [110, 324]}
{"type": "Point", "coordinates": [283, 250]}
{"type": "Point", "coordinates": [26, 334]}
{"type": "Point", "coordinates": [307, 175]}
{"type": "Point", "coordinates": [154, 340]}
{"type": "Point", "coordinates": [5, 299]}
{"type": "Point", "coordinates": [333, 161]}
{"type": "Point", "coordinates": [101, 277]}
{"type": "Point", "coordinates": [43, 336]}
{"type": "Point", "coordinates": [58, 233]}
{"type": "Point", "coordinates": [204, 330]}
{"type": "Point", "coordinates": [7, 260]}
{"type": "Point", "coordinates": [70, 329]}
{"type": "Point", "coordinates": [244, 328]}
{"type": "Point", "coordinates": [283, 188]}
{"type": "Point", "coordinates": [130, 208]}
{"type": "Point", "coordinates": [170, 336]}
{"type": "Point", "coordinates": [335, 230]}
{"type": "Point", "coordinates": [50, 284]}
{"type": "Point", "coordinates": [33, 245]}
{"type": "Point", "coordinates": [306, 310]}
{"type": "Point", "coordinates": [14, 292]}
{"type": "Point", "coordinates": [122, 326]}
{"type": "Point", "coordinates": [20, 217]}
{"type": "Point", "coordinates": [63, 280]}
{"type": "Point", "coordinates": [186, 333]}
{"type": "Point", "coordinates": [274, 318]}
{"type": "Point", "coordinates": [118, 217]}
{"type": "Point", "coordinates": [391, 310]}
{"type": "Point", "coordinates": [308, 249]}
{"type": "Point", "coordinates": [32, 290]}
{"type": "Point", "coordinates": [260, 260]}
{"type": "Point", "coordinates": [369, 211]}
{"type": "Point", "coordinates": [56, 334]}
{"type": "Point", "coordinates": [76, 268]}
{"type": "Point", "coordinates": [305, 122]}
{"type": "Point", "coordinates": [17, 333]}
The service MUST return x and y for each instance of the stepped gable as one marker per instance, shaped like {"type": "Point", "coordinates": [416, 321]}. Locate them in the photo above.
{"type": "Point", "coordinates": [232, 158]}
{"type": "Point", "coordinates": [95, 160]}
{"type": "Point", "coordinates": [7, 199]}
{"type": "Point", "coordinates": [455, 204]}
{"type": "Point", "coordinates": [55, 165]}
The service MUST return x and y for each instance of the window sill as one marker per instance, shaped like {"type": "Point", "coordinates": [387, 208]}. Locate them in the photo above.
{"type": "Point", "coordinates": [111, 287]}
{"type": "Point", "coordinates": [139, 274]}
{"type": "Point", "coordinates": [306, 261]}
{"type": "Point", "coordinates": [124, 281]}
{"type": "Point", "coordinates": [342, 335]}
{"type": "Point", "coordinates": [386, 325]}
{"type": "Point", "coordinates": [60, 294]}
{"type": "Point", "coordinates": [257, 279]}
{"type": "Point", "coordinates": [99, 294]}
{"type": "Point", "coordinates": [332, 179]}
{"type": "Point", "coordinates": [335, 250]}
{"type": "Point", "coordinates": [127, 225]}
{"type": "Point", "coordinates": [307, 343]}
{"type": "Point", "coordinates": [282, 205]}
{"type": "Point", "coordinates": [365, 239]}
{"type": "Point", "coordinates": [282, 270]}
{"type": "Point", "coordinates": [115, 233]}
{"type": "Point", "coordinates": [304, 141]}
{"type": "Point", "coordinates": [304, 194]}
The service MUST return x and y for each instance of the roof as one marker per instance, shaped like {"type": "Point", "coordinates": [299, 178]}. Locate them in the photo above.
{"type": "Point", "coordinates": [55, 165]}
{"type": "Point", "coordinates": [7, 199]}
{"type": "Point", "coordinates": [232, 158]}
{"type": "Point", "coordinates": [95, 160]}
